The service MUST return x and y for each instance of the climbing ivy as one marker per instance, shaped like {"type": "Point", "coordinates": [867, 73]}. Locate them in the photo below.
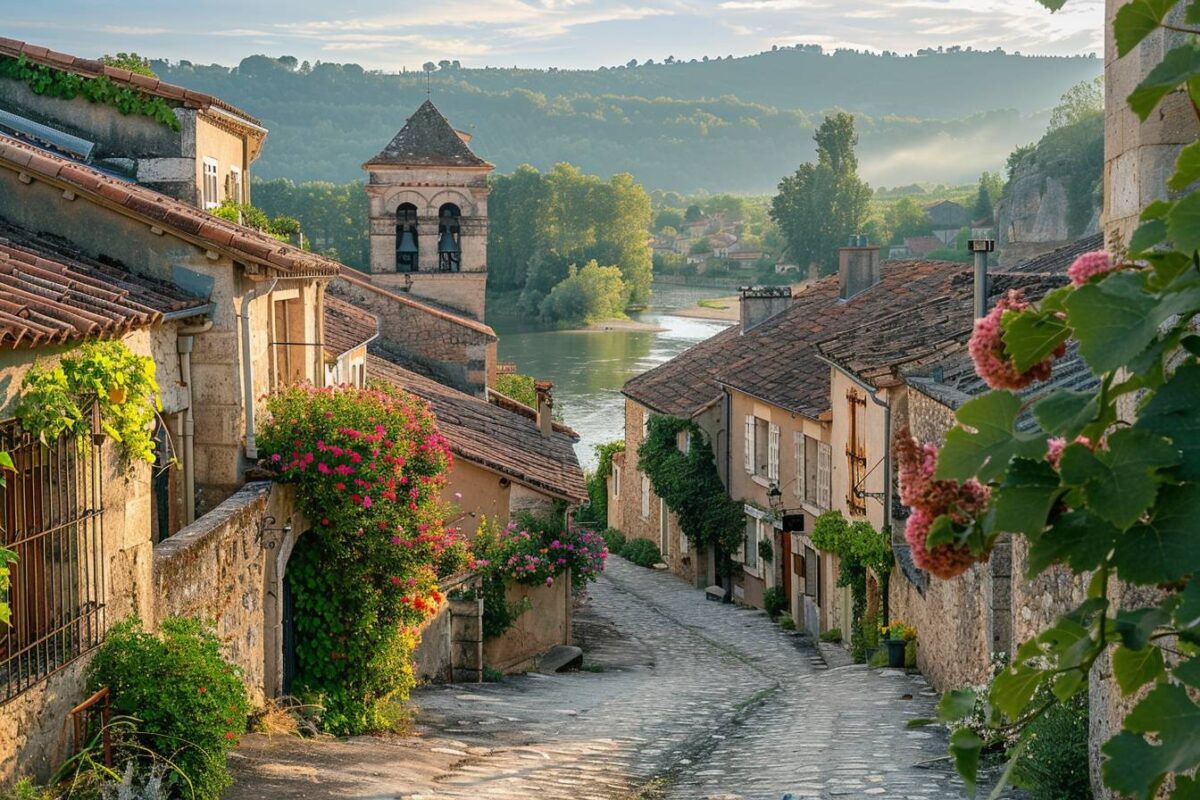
{"type": "Point", "coordinates": [42, 79]}
{"type": "Point", "coordinates": [690, 486]}
{"type": "Point", "coordinates": [7, 557]}
{"type": "Point", "coordinates": [597, 482]}
{"type": "Point", "coordinates": [1107, 485]}
{"type": "Point", "coordinates": [860, 550]}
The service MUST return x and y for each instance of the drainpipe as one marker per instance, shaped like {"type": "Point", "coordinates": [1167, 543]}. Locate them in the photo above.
{"type": "Point", "coordinates": [248, 363]}
{"type": "Point", "coordinates": [184, 342]}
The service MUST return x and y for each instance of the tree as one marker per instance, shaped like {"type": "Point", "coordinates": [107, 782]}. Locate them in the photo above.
{"type": "Point", "coordinates": [822, 204]}
{"type": "Point", "coordinates": [983, 208]}
{"type": "Point", "coordinates": [906, 218]}
{"type": "Point", "coordinates": [668, 218]}
{"type": "Point", "coordinates": [693, 213]}
{"type": "Point", "coordinates": [587, 295]}
{"type": "Point", "coordinates": [1083, 100]}
{"type": "Point", "coordinates": [130, 61]}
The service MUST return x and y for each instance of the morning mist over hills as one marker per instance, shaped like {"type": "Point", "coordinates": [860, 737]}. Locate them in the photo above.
{"type": "Point", "coordinates": [725, 124]}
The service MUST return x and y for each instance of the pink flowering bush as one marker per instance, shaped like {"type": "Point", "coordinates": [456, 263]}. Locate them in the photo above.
{"type": "Point", "coordinates": [369, 468]}
{"type": "Point", "coordinates": [930, 499]}
{"type": "Point", "coordinates": [992, 361]}
{"type": "Point", "coordinates": [1089, 265]}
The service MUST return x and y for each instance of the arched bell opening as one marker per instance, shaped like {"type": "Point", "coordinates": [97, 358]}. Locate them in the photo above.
{"type": "Point", "coordinates": [407, 246]}
{"type": "Point", "coordinates": [449, 238]}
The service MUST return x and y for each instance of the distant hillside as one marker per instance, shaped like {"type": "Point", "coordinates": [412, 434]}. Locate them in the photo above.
{"type": "Point", "coordinates": [722, 125]}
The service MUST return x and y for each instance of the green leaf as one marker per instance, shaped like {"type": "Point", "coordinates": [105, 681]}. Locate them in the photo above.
{"type": "Point", "coordinates": [941, 532]}
{"type": "Point", "coordinates": [1137, 20]}
{"type": "Point", "coordinates": [1121, 482]}
{"type": "Point", "coordinates": [1065, 413]}
{"type": "Point", "coordinates": [1135, 626]}
{"type": "Point", "coordinates": [1067, 684]}
{"type": "Point", "coordinates": [1031, 336]}
{"type": "Point", "coordinates": [1077, 538]}
{"type": "Point", "coordinates": [1183, 223]}
{"type": "Point", "coordinates": [956, 704]}
{"type": "Point", "coordinates": [986, 440]}
{"type": "Point", "coordinates": [1117, 318]}
{"type": "Point", "coordinates": [1186, 788]}
{"type": "Point", "coordinates": [1024, 498]}
{"type": "Point", "coordinates": [1173, 412]}
{"type": "Point", "coordinates": [965, 746]}
{"type": "Point", "coordinates": [1053, 5]}
{"type": "Point", "coordinates": [1177, 67]}
{"type": "Point", "coordinates": [1137, 768]}
{"type": "Point", "coordinates": [1013, 688]}
{"type": "Point", "coordinates": [1157, 210]}
{"type": "Point", "coordinates": [1147, 235]}
{"type": "Point", "coordinates": [1189, 672]}
{"type": "Point", "coordinates": [1187, 614]}
{"type": "Point", "coordinates": [1192, 15]}
{"type": "Point", "coordinates": [1187, 168]}
{"type": "Point", "coordinates": [1135, 668]}
{"type": "Point", "coordinates": [1164, 548]}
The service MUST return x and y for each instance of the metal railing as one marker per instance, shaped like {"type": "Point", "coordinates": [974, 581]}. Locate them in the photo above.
{"type": "Point", "coordinates": [50, 516]}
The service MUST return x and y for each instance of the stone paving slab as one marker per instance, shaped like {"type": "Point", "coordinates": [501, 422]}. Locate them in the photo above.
{"type": "Point", "coordinates": [680, 699]}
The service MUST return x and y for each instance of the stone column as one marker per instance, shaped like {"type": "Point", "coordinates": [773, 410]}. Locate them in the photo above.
{"type": "Point", "coordinates": [427, 240]}
{"type": "Point", "coordinates": [466, 641]}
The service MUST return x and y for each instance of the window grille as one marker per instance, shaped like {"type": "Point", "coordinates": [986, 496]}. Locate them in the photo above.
{"type": "Point", "coordinates": [50, 516]}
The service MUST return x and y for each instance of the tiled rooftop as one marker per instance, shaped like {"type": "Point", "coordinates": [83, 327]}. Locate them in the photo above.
{"type": "Point", "coordinates": [493, 437]}
{"type": "Point", "coordinates": [93, 68]}
{"type": "Point", "coordinates": [157, 209]}
{"type": "Point", "coordinates": [51, 294]}
{"type": "Point", "coordinates": [1057, 261]}
{"type": "Point", "coordinates": [347, 326]}
{"type": "Point", "coordinates": [427, 140]}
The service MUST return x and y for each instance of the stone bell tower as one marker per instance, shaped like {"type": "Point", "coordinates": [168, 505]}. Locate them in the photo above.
{"type": "Point", "coordinates": [427, 195]}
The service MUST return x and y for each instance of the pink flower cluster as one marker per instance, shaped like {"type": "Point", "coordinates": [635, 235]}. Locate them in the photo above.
{"type": "Point", "coordinates": [1089, 265]}
{"type": "Point", "coordinates": [992, 361]}
{"type": "Point", "coordinates": [930, 499]}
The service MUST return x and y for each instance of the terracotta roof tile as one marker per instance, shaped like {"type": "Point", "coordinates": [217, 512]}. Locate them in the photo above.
{"type": "Point", "coordinates": [347, 326]}
{"type": "Point", "coordinates": [246, 243]}
{"type": "Point", "coordinates": [1058, 261]}
{"type": "Point", "coordinates": [92, 68]}
{"type": "Point", "coordinates": [50, 293]}
{"type": "Point", "coordinates": [493, 437]}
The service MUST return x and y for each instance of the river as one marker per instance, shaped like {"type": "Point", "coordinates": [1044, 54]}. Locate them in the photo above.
{"type": "Point", "coordinates": [589, 369]}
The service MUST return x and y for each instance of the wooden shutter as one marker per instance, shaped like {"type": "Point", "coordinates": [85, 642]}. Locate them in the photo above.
{"type": "Point", "coordinates": [773, 453]}
{"type": "Point", "coordinates": [798, 448]}
{"type": "Point", "coordinates": [824, 476]}
{"type": "Point", "coordinates": [749, 444]}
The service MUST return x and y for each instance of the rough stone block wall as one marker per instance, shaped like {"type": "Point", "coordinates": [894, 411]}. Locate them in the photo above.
{"type": "Point", "coordinates": [216, 568]}
{"type": "Point", "coordinates": [460, 351]}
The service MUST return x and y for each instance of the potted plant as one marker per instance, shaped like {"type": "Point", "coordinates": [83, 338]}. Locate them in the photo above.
{"type": "Point", "coordinates": [896, 637]}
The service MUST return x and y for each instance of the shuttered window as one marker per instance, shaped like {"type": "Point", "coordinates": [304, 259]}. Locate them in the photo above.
{"type": "Point", "coordinates": [798, 457]}
{"type": "Point", "coordinates": [773, 453]}
{"type": "Point", "coordinates": [749, 444]}
{"type": "Point", "coordinates": [824, 476]}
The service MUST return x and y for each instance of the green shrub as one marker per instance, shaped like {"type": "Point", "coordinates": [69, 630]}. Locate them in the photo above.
{"type": "Point", "coordinates": [1054, 764]}
{"type": "Point", "coordinates": [775, 601]}
{"type": "Point", "coordinates": [642, 552]}
{"type": "Point", "coordinates": [786, 622]}
{"type": "Point", "coordinates": [189, 701]}
{"type": "Point", "coordinates": [614, 539]}
{"type": "Point", "coordinates": [25, 789]}
{"type": "Point", "coordinates": [910, 654]}
{"type": "Point", "coordinates": [867, 639]}
{"type": "Point", "coordinates": [833, 635]}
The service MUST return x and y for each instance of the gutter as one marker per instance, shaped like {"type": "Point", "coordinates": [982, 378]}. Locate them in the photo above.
{"type": "Point", "coordinates": [887, 434]}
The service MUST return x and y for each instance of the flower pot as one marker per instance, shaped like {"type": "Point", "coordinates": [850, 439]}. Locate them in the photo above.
{"type": "Point", "coordinates": [116, 395]}
{"type": "Point", "coordinates": [895, 649]}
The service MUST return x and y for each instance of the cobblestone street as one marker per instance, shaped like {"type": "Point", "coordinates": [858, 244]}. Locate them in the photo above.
{"type": "Point", "coordinates": [680, 698]}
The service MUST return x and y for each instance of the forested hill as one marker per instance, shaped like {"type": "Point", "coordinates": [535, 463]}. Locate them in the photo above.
{"type": "Point", "coordinates": [729, 124]}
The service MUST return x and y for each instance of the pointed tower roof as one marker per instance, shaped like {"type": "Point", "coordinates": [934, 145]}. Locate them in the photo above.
{"type": "Point", "coordinates": [427, 140]}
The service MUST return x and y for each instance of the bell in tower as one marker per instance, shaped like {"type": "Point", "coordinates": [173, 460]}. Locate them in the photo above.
{"type": "Point", "coordinates": [428, 208]}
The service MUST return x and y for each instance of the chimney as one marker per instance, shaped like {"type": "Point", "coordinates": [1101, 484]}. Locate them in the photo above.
{"type": "Point", "coordinates": [858, 267]}
{"type": "Point", "coordinates": [981, 248]}
{"type": "Point", "coordinates": [545, 407]}
{"type": "Point", "coordinates": [760, 303]}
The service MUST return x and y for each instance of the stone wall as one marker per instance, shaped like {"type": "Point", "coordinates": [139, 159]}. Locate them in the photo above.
{"type": "Point", "coordinates": [216, 568]}
{"type": "Point", "coordinates": [451, 647]}
{"type": "Point", "coordinates": [460, 350]}
{"type": "Point", "coordinates": [546, 624]}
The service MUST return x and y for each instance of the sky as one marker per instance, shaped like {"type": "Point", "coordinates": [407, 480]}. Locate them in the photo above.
{"type": "Point", "coordinates": [402, 34]}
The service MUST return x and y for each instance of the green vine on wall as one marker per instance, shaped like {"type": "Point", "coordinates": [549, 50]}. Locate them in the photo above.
{"type": "Point", "coordinates": [597, 482]}
{"type": "Point", "coordinates": [51, 82]}
{"type": "Point", "coordinates": [7, 557]}
{"type": "Point", "coordinates": [860, 550]}
{"type": "Point", "coordinates": [690, 486]}
{"type": "Point", "coordinates": [54, 398]}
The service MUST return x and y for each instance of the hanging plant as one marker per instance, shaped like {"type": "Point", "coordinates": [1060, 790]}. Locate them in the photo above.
{"type": "Point", "coordinates": [54, 398]}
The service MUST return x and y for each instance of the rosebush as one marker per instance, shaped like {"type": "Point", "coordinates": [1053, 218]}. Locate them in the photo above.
{"type": "Point", "coordinates": [370, 467]}
{"type": "Point", "coordinates": [1107, 484]}
{"type": "Point", "coordinates": [190, 704]}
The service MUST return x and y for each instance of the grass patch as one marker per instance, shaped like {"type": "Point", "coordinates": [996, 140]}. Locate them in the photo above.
{"type": "Point", "coordinates": [713, 304]}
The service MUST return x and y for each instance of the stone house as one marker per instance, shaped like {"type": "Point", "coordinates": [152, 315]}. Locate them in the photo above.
{"type": "Point", "coordinates": [203, 160]}
{"type": "Point", "coordinates": [911, 369]}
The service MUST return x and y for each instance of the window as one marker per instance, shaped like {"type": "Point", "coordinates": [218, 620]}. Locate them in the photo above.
{"type": "Point", "coordinates": [824, 476]}
{"type": "Point", "coordinates": [645, 497]}
{"type": "Point", "coordinates": [750, 547]}
{"type": "Point", "coordinates": [812, 574]}
{"type": "Point", "coordinates": [856, 452]}
{"type": "Point", "coordinates": [233, 185]}
{"type": "Point", "coordinates": [449, 238]}
{"type": "Point", "coordinates": [748, 444]}
{"type": "Point", "coordinates": [773, 453]}
{"type": "Point", "coordinates": [762, 448]}
{"type": "Point", "coordinates": [209, 189]}
{"type": "Point", "coordinates": [50, 517]}
{"type": "Point", "coordinates": [288, 350]}
{"type": "Point", "coordinates": [664, 528]}
{"type": "Point", "coordinates": [805, 455]}
{"type": "Point", "coordinates": [407, 248]}
{"type": "Point", "coordinates": [616, 481]}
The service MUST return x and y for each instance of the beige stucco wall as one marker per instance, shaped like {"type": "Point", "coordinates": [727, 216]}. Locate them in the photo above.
{"type": "Point", "coordinates": [229, 149]}
{"type": "Point", "coordinates": [484, 493]}
{"type": "Point", "coordinates": [546, 624]}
